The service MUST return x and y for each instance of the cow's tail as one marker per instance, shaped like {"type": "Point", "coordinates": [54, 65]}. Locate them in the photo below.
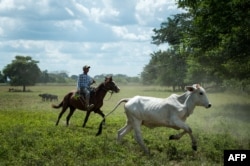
{"type": "Point", "coordinates": [103, 120]}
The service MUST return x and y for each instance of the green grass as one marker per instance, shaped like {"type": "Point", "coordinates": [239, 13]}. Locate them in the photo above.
{"type": "Point", "coordinates": [28, 135]}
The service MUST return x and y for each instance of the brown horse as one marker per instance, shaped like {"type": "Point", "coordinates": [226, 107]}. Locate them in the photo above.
{"type": "Point", "coordinates": [70, 100]}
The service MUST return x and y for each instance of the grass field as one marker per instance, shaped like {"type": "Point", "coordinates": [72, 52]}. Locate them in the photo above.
{"type": "Point", "coordinates": [28, 135]}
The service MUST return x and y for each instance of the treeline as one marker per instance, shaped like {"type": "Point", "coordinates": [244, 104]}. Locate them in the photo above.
{"type": "Point", "coordinates": [14, 77]}
{"type": "Point", "coordinates": [55, 77]}
{"type": "Point", "coordinates": [24, 71]}
{"type": "Point", "coordinates": [208, 43]}
{"type": "Point", "coordinates": [118, 78]}
{"type": "Point", "coordinates": [63, 77]}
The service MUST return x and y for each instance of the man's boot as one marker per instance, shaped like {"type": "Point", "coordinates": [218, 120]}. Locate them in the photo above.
{"type": "Point", "coordinates": [89, 106]}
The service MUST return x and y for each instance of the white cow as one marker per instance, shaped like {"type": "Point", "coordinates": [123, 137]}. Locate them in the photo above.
{"type": "Point", "coordinates": [155, 112]}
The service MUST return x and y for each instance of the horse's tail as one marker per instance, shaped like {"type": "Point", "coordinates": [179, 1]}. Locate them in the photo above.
{"type": "Point", "coordinates": [57, 106]}
{"type": "Point", "coordinates": [103, 120]}
{"type": "Point", "coordinates": [66, 100]}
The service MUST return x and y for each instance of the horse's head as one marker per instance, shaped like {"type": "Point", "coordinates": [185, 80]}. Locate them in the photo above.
{"type": "Point", "coordinates": [110, 85]}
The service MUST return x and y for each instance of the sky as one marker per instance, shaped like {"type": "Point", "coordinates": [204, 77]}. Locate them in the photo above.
{"type": "Point", "coordinates": [112, 36]}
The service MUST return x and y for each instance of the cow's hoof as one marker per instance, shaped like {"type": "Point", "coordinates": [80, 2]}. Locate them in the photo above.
{"type": "Point", "coordinates": [194, 148]}
{"type": "Point", "coordinates": [171, 137]}
{"type": "Point", "coordinates": [147, 152]}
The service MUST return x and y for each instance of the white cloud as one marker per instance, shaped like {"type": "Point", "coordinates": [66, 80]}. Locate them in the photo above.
{"type": "Point", "coordinates": [70, 25]}
{"type": "Point", "coordinates": [82, 9]}
{"type": "Point", "coordinates": [111, 36]}
{"type": "Point", "coordinates": [6, 5]}
{"type": "Point", "coordinates": [103, 15]}
{"type": "Point", "coordinates": [149, 11]}
{"type": "Point", "coordinates": [124, 33]}
{"type": "Point", "coordinates": [1, 31]}
{"type": "Point", "coordinates": [9, 24]}
{"type": "Point", "coordinates": [69, 11]}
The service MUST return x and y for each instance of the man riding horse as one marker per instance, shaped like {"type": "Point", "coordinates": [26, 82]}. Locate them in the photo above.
{"type": "Point", "coordinates": [83, 86]}
{"type": "Point", "coordinates": [70, 100]}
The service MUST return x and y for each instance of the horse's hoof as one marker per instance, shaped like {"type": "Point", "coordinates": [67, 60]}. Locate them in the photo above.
{"type": "Point", "coordinates": [171, 137]}
{"type": "Point", "coordinates": [147, 152]}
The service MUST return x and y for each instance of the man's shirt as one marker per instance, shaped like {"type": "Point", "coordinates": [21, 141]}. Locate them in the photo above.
{"type": "Point", "coordinates": [84, 81]}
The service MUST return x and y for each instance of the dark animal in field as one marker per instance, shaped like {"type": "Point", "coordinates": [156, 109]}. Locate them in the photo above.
{"type": "Point", "coordinates": [44, 96]}
{"type": "Point", "coordinates": [11, 89]}
{"type": "Point", "coordinates": [48, 97]}
{"type": "Point", "coordinates": [53, 97]}
{"type": "Point", "coordinates": [73, 102]}
{"type": "Point", "coordinates": [155, 112]}
{"type": "Point", "coordinates": [14, 90]}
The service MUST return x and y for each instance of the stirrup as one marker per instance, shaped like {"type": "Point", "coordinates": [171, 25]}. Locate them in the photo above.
{"type": "Point", "coordinates": [90, 107]}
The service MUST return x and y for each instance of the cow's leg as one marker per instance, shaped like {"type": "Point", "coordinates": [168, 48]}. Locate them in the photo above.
{"type": "Point", "coordinates": [126, 129]}
{"type": "Point", "coordinates": [138, 135]}
{"type": "Point", "coordinates": [194, 142]}
{"type": "Point", "coordinates": [180, 124]}
{"type": "Point", "coordinates": [177, 136]}
{"type": "Point", "coordinates": [72, 109]}
{"type": "Point", "coordinates": [123, 131]}
{"type": "Point", "coordinates": [86, 118]}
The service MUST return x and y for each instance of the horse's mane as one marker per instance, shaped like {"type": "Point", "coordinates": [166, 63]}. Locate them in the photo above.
{"type": "Point", "coordinates": [99, 86]}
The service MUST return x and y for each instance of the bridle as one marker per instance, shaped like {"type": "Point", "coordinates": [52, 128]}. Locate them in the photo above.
{"type": "Point", "coordinates": [108, 90]}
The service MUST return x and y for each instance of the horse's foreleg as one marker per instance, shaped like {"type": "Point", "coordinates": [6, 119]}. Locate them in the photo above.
{"type": "Point", "coordinates": [86, 118]}
{"type": "Point", "coordinates": [72, 110]}
{"type": "Point", "coordinates": [102, 114]}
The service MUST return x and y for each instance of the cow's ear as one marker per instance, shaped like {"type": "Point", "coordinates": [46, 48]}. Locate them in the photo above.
{"type": "Point", "coordinates": [198, 86]}
{"type": "Point", "coordinates": [190, 88]}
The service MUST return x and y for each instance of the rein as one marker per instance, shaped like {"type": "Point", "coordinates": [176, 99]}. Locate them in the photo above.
{"type": "Point", "coordinates": [111, 93]}
{"type": "Point", "coordinates": [106, 90]}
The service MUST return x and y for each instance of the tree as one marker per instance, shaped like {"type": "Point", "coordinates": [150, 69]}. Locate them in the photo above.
{"type": "Point", "coordinates": [173, 30]}
{"type": "Point", "coordinates": [165, 68]}
{"type": "Point", "coordinates": [2, 80]}
{"type": "Point", "coordinates": [221, 35]}
{"type": "Point", "coordinates": [150, 71]}
{"type": "Point", "coordinates": [74, 77]}
{"type": "Point", "coordinates": [23, 71]}
{"type": "Point", "coordinates": [213, 38]}
{"type": "Point", "coordinates": [171, 63]}
{"type": "Point", "coordinates": [44, 76]}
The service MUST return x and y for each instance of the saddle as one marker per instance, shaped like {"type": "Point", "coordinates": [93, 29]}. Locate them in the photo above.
{"type": "Point", "coordinates": [79, 94]}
